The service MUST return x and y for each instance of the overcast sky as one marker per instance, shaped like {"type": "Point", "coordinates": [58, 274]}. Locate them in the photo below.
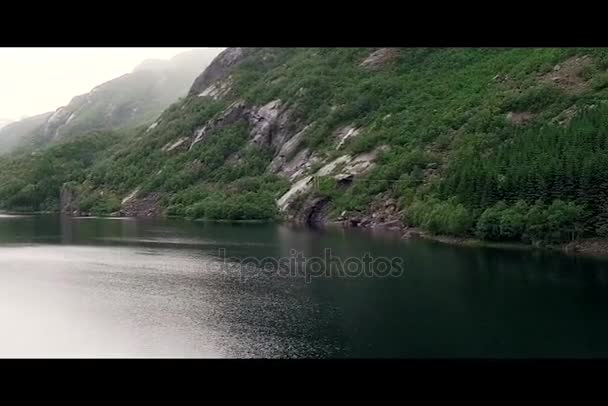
{"type": "Point", "coordinates": [37, 80]}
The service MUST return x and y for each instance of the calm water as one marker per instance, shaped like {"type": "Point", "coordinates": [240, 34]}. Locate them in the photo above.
{"type": "Point", "coordinates": [164, 288]}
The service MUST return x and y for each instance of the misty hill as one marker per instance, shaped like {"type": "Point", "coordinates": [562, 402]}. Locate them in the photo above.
{"type": "Point", "coordinates": [14, 134]}
{"type": "Point", "coordinates": [503, 144]}
{"type": "Point", "coordinates": [4, 122]}
{"type": "Point", "coordinates": [128, 101]}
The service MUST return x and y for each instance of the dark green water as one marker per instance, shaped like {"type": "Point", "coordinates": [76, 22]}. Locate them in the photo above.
{"type": "Point", "coordinates": [164, 288]}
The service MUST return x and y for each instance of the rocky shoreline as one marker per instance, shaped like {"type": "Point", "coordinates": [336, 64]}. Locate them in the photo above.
{"type": "Point", "coordinates": [382, 215]}
{"type": "Point", "coordinates": [385, 217]}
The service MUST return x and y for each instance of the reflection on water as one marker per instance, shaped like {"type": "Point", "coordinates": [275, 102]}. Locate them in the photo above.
{"type": "Point", "coordinates": [163, 288]}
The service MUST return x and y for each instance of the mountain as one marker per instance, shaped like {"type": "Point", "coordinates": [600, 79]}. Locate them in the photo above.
{"type": "Point", "coordinates": [128, 101]}
{"type": "Point", "coordinates": [13, 134]}
{"type": "Point", "coordinates": [502, 144]}
{"type": "Point", "coordinates": [4, 122]}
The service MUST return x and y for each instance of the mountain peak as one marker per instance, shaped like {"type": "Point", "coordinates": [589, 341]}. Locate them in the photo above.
{"type": "Point", "coordinates": [192, 60]}
{"type": "Point", "coordinates": [152, 64]}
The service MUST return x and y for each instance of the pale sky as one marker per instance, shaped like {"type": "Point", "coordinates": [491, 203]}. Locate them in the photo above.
{"type": "Point", "coordinates": [37, 80]}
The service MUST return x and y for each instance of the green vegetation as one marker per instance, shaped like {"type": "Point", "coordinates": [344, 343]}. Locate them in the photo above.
{"type": "Point", "coordinates": [539, 164]}
{"type": "Point", "coordinates": [453, 160]}
{"type": "Point", "coordinates": [537, 223]}
{"type": "Point", "coordinates": [33, 181]}
{"type": "Point", "coordinates": [441, 217]}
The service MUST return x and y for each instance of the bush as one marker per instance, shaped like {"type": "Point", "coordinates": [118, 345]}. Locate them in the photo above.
{"type": "Point", "coordinates": [226, 206]}
{"type": "Point", "coordinates": [488, 225]}
{"type": "Point", "coordinates": [502, 222]}
{"type": "Point", "coordinates": [440, 217]}
{"type": "Point", "coordinates": [513, 221]}
{"type": "Point", "coordinates": [558, 222]}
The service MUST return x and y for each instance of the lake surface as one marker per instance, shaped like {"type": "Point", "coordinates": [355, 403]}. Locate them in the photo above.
{"type": "Point", "coordinates": [91, 287]}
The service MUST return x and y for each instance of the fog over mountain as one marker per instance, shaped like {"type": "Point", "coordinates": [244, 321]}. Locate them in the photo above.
{"type": "Point", "coordinates": [4, 122]}
{"type": "Point", "coordinates": [125, 101]}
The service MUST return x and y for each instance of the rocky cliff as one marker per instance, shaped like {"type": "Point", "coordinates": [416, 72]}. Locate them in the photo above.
{"type": "Point", "coordinates": [276, 127]}
{"type": "Point", "coordinates": [68, 200]}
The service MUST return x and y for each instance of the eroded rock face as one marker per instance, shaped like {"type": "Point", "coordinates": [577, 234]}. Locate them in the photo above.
{"type": "Point", "coordinates": [379, 58]}
{"type": "Point", "coordinates": [130, 197]}
{"type": "Point", "coordinates": [346, 133]}
{"type": "Point", "coordinates": [300, 164]}
{"type": "Point", "coordinates": [568, 75]}
{"type": "Point", "coordinates": [152, 126]}
{"type": "Point", "coordinates": [174, 145]}
{"type": "Point", "coordinates": [68, 201]}
{"type": "Point", "coordinates": [218, 70]}
{"type": "Point", "coordinates": [343, 169]}
{"type": "Point", "coordinates": [314, 213]}
{"type": "Point", "coordinates": [383, 213]}
{"type": "Point", "coordinates": [218, 89]}
{"type": "Point", "coordinates": [301, 187]}
{"type": "Point", "coordinates": [361, 163]}
{"type": "Point", "coordinates": [265, 124]}
{"type": "Point", "coordinates": [287, 161]}
{"type": "Point", "coordinates": [331, 167]}
{"type": "Point", "coordinates": [269, 125]}
{"type": "Point", "coordinates": [520, 118]}
{"type": "Point", "coordinates": [63, 116]}
{"type": "Point", "coordinates": [148, 206]}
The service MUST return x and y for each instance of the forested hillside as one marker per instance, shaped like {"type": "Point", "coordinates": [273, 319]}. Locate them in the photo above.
{"type": "Point", "coordinates": [503, 144]}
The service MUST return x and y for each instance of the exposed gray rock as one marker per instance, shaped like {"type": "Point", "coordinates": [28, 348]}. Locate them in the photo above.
{"type": "Point", "coordinates": [62, 116]}
{"type": "Point", "coordinates": [314, 213]}
{"type": "Point", "coordinates": [361, 163]}
{"type": "Point", "coordinates": [148, 206]}
{"type": "Point", "coordinates": [331, 167]}
{"type": "Point", "coordinates": [568, 75]}
{"type": "Point", "coordinates": [380, 58]}
{"type": "Point", "coordinates": [218, 89]}
{"type": "Point", "coordinates": [130, 197]}
{"type": "Point", "coordinates": [344, 178]}
{"type": "Point", "coordinates": [301, 187]}
{"type": "Point", "coordinates": [520, 118]}
{"type": "Point", "coordinates": [285, 161]}
{"type": "Point", "coordinates": [344, 169]}
{"type": "Point", "coordinates": [383, 213]}
{"type": "Point", "coordinates": [152, 126]}
{"type": "Point", "coordinates": [264, 121]}
{"type": "Point", "coordinates": [171, 146]}
{"type": "Point", "coordinates": [219, 69]}
{"type": "Point", "coordinates": [269, 124]}
{"type": "Point", "coordinates": [69, 201]}
{"type": "Point", "coordinates": [300, 164]}
{"type": "Point", "coordinates": [345, 133]}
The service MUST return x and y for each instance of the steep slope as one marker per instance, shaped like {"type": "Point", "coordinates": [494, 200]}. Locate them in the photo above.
{"type": "Point", "coordinates": [505, 144]}
{"type": "Point", "coordinates": [127, 101]}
